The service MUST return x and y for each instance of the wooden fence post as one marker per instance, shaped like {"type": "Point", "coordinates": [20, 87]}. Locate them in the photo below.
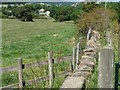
{"type": "Point", "coordinates": [71, 65]}
{"type": "Point", "coordinates": [77, 56]}
{"type": "Point", "coordinates": [89, 33]}
{"type": "Point", "coordinates": [108, 38]}
{"type": "Point", "coordinates": [105, 68]}
{"type": "Point", "coordinates": [50, 69]}
{"type": "Point", "coordinates": [20, 72]}
{"type": "Point", "coordinates": [73, 58]}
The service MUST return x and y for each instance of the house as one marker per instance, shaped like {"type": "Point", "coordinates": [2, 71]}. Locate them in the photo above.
{"type": "Point", "coordinates": [47, 13]}
{"type": "Point", "coordinates": [44, 13]}
{"type": "Point", "coordinates": [3, 5]}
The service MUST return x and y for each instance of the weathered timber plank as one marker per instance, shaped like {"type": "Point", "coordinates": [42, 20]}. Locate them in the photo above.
{"type": "Point", "coordinates": [34, 64]}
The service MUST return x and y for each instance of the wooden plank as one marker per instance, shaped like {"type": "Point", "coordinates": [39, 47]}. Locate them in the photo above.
{"type": "Point", "coordinates": [30, 82]}
{"type": "Point", "coordinates": [11, 86]}
{"type": "Point", "coordinates": [20, 72]}
{"type": "Point", "coordinates": [9, 69]}
{"type": "Point", "coordinates": [73, 58]}
{"type": "Point", "coordinates": [50, 67]}
{"type": "Point", "coordinates": [89, 33]}
{"type": "Point", "coordinates": [77, 56]}
{"type": "Point", "coordinates": [34, 64]}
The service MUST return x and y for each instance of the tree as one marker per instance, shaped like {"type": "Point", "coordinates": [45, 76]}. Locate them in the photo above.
{"type": "Point", "coordinates": [98, 19]}
{"type": "Point", "coordinates": [89, 6]}
{"type": "Point", "coordinates": [24, 13]}
{"type": "Point", "coordinates": [65, 13]}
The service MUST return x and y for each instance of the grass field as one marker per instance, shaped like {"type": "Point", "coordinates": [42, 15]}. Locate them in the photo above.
{"type": "Point", "coordinates": [32, 40]}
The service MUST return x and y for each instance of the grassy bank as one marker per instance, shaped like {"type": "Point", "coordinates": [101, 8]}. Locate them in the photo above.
{"type": "Point", "coordinates": [32, 40]}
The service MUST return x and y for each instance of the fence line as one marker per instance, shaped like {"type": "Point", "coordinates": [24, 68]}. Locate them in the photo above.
{"type": "Point", "coordinates": [30, 82]}
{"type": "Point", "coordinates": [50, 61]}
{"type": "Point", "coordinates": [22, 66]}
{"type": "Point", "coordinates": [33, 64]}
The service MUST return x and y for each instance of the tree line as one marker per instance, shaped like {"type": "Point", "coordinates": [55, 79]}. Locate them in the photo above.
{"type": "Point", "coordinates": [60, 13]}
{"type": "Point", "coordinates": [30, 11]}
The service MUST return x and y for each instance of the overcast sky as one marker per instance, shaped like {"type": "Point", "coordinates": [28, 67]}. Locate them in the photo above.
{"type": "Point", "coordinates": [52, 0]}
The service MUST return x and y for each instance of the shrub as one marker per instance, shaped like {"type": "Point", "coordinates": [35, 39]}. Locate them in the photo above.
{"type": "Point", "coordinates": [23, 13]}
{"type": "Point", "coordinates": [4, 16]}
{"type": "Point", "coordinates": [98, 19]}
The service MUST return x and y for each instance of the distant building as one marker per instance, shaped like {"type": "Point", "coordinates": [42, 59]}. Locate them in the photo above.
{"type": "Point", "coordinates": [27, 3]}
{"type": "Point", "coordinates": [44, 13]}
{"type": "Point", "coordinates": [47, 13]}
{"type": "Point", "coordinates": [3, 5]}
{"type": "Point", "coordinates": [41, 12]}
{"type": "Point", "coordinates": [42, 4]}
{"type": "Point", "coordinates": [74, 5]}
{"type": "Point", "coordinates": [6, 5]}
{"type": "Point", "coordinates": [96, 1]}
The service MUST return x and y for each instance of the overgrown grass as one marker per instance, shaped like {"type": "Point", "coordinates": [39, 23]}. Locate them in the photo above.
{"type": "Point", "coordinates": [32, 41]}
{"type": "Point", "coordinates": [92, 81]}
{"type": "Point", "coordinates": [34, 73]}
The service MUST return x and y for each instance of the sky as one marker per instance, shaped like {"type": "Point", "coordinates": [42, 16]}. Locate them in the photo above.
{"type": "Point", "coordinates": [52, 0]}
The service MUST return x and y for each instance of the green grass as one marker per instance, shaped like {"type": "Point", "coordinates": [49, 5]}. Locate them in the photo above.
{"type": "Point", "coordinates": [32, 40]}
{"type": "Point", "coordinates": [56, 84]}
{"type": "Point", "coordinates": [92, 81]}
{"type": "Point", "coordinates": [34, 73]}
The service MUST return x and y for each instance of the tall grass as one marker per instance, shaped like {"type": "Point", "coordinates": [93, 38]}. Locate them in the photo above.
{"type": "Point", "coordinates": [32, 41]}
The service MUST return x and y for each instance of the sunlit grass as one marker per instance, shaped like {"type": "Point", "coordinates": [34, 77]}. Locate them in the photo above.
{"type": "Point", "coordinates": [33, 40]}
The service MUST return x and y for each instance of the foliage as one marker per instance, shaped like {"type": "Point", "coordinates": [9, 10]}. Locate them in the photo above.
{"type": "Point", "coordinates": [5, 13]}
{"type": "Point", "coordinates": [22, 39]}
{"type": "Point", "coordinates": [98, 19]}
{"type": "Point", "coordinates": [24, 13]}
{"type": "Point", "coordinates": [89, 6]}
{"type": "Point", "coordinates": [109, 5]}
{"type": "Point", "coordinates": [66, 13]}
{"type": "Point", "coordinates": [92, 81]}
{"type": "Point", "coordinates": [29, 11]}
